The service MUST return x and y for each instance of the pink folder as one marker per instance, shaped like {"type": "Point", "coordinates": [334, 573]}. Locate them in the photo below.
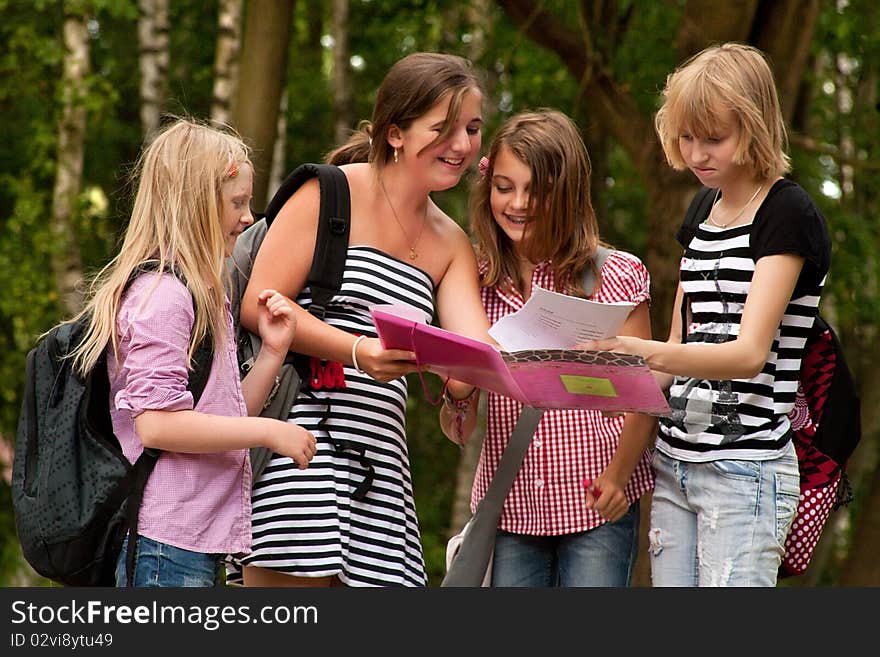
{"type": "Point", "coordinates": [543, 378]}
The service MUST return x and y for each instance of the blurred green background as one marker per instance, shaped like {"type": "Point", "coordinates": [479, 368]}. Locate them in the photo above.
{"type": "Point", "coordinates": [83, 81]}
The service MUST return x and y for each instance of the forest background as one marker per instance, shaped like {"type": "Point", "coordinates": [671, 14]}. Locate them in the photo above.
{"type": "Point", "coordinates": [82, 82]}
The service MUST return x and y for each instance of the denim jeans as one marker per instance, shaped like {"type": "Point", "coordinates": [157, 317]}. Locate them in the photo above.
{"type": "Point", "coordinates": [603, 556]}
{"type": "Point", "coordinates": [721, 523]}
{"type": "Point", "coordinates": [160, 564]}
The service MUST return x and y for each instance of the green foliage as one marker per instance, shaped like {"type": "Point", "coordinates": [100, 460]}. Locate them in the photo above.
{"type": "Point", "coordinates": [845, 116]}
{"type": "Point", "coordinates": [191, 45]}
{"type": "Point", "coordinates": [519, 75]}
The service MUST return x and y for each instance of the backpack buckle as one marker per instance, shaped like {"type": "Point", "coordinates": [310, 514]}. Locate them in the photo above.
{"type": "Point", "coordinates": [337, 225]}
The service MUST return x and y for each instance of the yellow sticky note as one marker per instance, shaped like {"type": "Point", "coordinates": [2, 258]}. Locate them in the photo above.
{"type": "Point", "coordinates": [588, 385]}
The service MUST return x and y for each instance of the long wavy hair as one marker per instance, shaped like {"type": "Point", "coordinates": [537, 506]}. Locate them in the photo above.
{"type": "Point", "coordinates": [409, 90]}
{"type": "Point", "coordinates": [565, 230]}
{"type": "Point", "coordinates": [175, 220]}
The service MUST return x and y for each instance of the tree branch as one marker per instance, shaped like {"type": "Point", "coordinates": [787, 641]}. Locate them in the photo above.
{"type": "Point", "coordinates": [814, 146]}
{"type": "Point", "coordinates": [618, 110]}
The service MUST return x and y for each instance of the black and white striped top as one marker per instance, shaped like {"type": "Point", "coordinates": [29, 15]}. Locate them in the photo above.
{"type": "Point", "coordinates": [745, 418]}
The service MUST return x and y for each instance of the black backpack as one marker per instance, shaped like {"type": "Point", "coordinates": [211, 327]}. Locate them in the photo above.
{"type": "Point", "coordinates": [74, 493]}
{"type": "Point", "coordinates": [826, 423]}
{"type": "Point", "coordinates": [324, 280]}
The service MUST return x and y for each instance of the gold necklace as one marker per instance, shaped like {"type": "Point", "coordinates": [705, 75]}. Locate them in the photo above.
{"type": "Point", "coordinates": [412, 249]}
{"type": "Point", "coordinates": [737, 215]}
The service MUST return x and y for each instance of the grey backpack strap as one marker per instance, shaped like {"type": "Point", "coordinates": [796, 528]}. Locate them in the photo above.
{"type": "Point", "coordinates": [589, 278]}
{"type": "Point", "coordinates": [469, 566]}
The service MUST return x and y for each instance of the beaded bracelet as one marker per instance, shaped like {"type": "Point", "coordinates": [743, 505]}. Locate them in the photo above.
{"type": "Point", "coordinates": [459, 408]}
{"type": "Point", "coordinates": [459, 404]}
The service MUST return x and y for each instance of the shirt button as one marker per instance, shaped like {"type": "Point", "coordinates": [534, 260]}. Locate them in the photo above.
{"type": "Point", "coordinates": [537, 442]}
{"type": "Point", "coordinates": [539, 483]}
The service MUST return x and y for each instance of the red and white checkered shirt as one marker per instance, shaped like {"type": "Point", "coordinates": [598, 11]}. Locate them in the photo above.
{"type": "Point", "coordinates": [547, 497]}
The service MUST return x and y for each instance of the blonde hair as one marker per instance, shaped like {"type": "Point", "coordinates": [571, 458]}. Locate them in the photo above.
{"type": "Point", "coordinates": [409, 90]}
{"type": "Point", "coordinates": [176, 220]}
{"type": "Point", "coordinates": [566, 232]}
{"type": "Point", "coordinates": [728, 77]}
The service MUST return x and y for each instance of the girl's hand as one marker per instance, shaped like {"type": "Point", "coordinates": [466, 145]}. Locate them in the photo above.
{"type": "Point", "coordinates": [293, 441]}
{"type": "Point", "coordinates": [460, 418]}
{"type": "Point", "coordinates": [622, 344]}
{"type": "Point", "coordinates": [276, 321]}
{"type": "Point", "coordinates": [448, 426]}
{"type": "Point", "coordinates": [384, 364]}
{"type": "Point", "coordinates": [605, 495]}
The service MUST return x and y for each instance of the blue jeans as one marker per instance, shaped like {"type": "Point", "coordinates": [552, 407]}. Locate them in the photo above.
{"type": "Point", "coordinates": [160, 564]}
{"type": "Point", "coordinates": [721, 523]}
{"type": "Point", "coordinates": [603, 556]}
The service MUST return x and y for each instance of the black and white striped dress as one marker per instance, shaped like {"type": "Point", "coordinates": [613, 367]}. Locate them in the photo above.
{"type": "Point", "coordinates": [311, 522]}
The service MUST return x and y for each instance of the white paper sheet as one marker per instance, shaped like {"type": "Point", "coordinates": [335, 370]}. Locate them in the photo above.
{"type": "Point", "coordinates": [550, 320]}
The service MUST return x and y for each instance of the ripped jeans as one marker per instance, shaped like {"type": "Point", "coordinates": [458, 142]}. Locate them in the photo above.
{"type": "Point", "coordinates": [721, 523]}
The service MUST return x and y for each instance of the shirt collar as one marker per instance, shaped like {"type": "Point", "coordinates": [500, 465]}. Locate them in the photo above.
{"type": "Point", "coordinates": [511, 296]}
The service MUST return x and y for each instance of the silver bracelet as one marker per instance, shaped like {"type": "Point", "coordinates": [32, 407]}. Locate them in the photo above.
{"type": "Point", "coordinates": [354, 358]}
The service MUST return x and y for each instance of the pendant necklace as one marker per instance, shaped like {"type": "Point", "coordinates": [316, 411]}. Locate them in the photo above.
{"type": "Point", "coordinates": [412, 249]}
{"type": "Point", "coordinates": [712, 221]}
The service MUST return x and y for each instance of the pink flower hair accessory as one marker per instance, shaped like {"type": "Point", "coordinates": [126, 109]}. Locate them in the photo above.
{"type": "Point", "coordinates": [233, 167]}
{"type": "Point", "coordinates": [483, 166]}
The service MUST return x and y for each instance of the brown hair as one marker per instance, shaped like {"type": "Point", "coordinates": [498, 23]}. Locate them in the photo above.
{"type": "Point", "coordinates": [409, 90]}
{"type": "Point", "coordinates": [734, 77]}
{"type": "Point", "coordinates": [566, 232]}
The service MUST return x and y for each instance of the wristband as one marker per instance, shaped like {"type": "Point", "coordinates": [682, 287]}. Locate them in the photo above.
{"type": "Point", "coordinates": [459, 408]}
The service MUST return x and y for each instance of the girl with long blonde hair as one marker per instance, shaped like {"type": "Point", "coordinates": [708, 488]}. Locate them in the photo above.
{"type": "Point", "coordinates": [149, 309]}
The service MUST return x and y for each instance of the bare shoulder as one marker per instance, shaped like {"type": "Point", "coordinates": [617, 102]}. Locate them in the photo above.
{"type": "Point", "coordinates": [444, 226]}
{"type": "Point", "coordinates": [360, 180]}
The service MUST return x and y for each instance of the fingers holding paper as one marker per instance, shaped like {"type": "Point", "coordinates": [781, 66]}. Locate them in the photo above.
{"type": "Point", "coordinates": [622, 344]}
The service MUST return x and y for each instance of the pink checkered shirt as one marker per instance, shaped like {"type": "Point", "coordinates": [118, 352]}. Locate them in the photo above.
{"type": "Point", "coordinates": [198, 502]}
{"type": "Point", "coordinates": [547, 497]}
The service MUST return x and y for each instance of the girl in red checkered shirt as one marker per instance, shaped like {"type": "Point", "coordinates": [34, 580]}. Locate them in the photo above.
{"type": "Point", "coordinates": [535, 225]}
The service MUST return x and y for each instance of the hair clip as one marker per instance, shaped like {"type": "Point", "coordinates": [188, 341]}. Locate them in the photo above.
{"type": "Point", "coordinates": [233, 167]}
{"type": "Point", "coordinates": [483, 166]}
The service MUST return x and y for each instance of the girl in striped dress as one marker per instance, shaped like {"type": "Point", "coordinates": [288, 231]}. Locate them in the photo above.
{"type": "Point", "coordinates": [534, 224]}
{"type": "Point", "coordinates": [749, 285]}
{"type": "Point", "coordinates": [351, 520]}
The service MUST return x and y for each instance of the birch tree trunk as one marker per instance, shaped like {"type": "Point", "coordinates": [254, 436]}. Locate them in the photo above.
{"type": "Point", "coordinates": [278, 170]}
{"type": "Point", "coordinates": [66, 263]}
{"type": "Point", "coordinates": [153, 43]}
{"type": "Point", "coordinates": [263, 76]}
{"type": "Point", "coordinates": [342, 95]}
{"type": "Point", "coordinates": [226, 60]}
